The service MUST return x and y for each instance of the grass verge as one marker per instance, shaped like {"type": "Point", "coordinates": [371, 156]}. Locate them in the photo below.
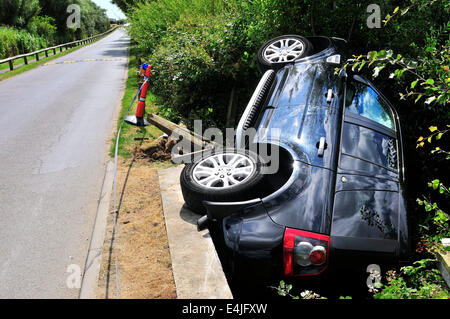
{"type": "Point", "coordinates": [31, 59]}
{"type": "Point", "coordinates": [132, 135]}
{"type": "Point", "coordinates": [144, 262]}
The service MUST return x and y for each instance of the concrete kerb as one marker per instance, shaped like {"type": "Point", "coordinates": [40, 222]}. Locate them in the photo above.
{"type": "Point", "coordinates": [197, 270]}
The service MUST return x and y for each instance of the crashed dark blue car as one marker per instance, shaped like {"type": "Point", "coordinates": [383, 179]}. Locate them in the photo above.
{"type": "Point", "coordinates": [337, 201]}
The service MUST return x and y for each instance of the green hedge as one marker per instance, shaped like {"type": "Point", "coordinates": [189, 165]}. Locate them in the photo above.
{"type": "Point", "coordinates": [14, 42]}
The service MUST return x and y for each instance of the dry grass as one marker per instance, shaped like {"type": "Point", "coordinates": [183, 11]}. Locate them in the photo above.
{"type": "Point", "coordinates": [145, 270]}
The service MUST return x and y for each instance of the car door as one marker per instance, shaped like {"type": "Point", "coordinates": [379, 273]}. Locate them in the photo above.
{"type": "Point", "coordinates": [367, 191]}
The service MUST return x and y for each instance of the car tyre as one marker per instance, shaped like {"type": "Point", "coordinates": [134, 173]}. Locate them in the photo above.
{"type": "Point", "coordinates": [200, 182]}
{"type": "Point", "coordinates": [282, 50]}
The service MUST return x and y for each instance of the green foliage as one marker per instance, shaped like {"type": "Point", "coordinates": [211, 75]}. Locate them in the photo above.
{"type": "Point", "coordinates": [43, 27]}
{"type": "Point", "coordinates": [190, 76]}
{"type": "Point", "coordinates": [436, 135]}
{"type": "Point", "coordinates": [429, 74]}
{"type": "Point", "coordinates": [18, 13]}
{"type": "Point", "coordinates": [284, 290]}
{"type": "Point", "coordinates": [419, 281]}
{"type": "Point", "coordinates": [93, 18]}
{"type": "Point", "coordinates": [14, 42]}
{"type": "Point", "coordinates": [125, 5]}
{"type": "Point", "coordinates": [34, 24]}
{"type": "Point", "coordinates": [150, 20]}
{"type": "Point", "coordinates": [436, 224]}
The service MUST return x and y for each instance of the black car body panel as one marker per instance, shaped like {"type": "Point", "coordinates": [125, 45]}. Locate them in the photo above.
{"type": "Point", "coordinates": [306, 202]}
{"type": "Point", "coordinates": [353, 193]}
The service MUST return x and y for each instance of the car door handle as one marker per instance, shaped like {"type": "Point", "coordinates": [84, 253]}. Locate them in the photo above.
{"type": "Point", "coordinates": [330, 96]}
{"type": "Point", "coordinates": [321, 147]}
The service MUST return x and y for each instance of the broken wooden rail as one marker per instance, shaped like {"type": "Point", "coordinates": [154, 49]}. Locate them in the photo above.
{"type": "Point", "coordinates": [195, 139]}
{"type": "Point", "coordinates": [46, 50]}
{"type": "Point", "coordinates": [169, 127]}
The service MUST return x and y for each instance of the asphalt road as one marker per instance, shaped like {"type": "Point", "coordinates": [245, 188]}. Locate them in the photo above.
{"type": "Point", "coordinates": [55, 124]}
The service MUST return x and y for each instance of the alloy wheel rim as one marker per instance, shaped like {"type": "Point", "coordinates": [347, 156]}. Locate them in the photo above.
{"type": "Point", "coordinates": [223, 170]}
{"type": "Point", "coordinates": [284, 50]}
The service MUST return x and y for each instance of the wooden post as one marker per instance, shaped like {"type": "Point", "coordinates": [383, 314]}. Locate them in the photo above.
{"type": "Point", "coordinates": [11, 65]}
{"type": "Point", "coordinates": [54, 51]}
{"type": "Point", "coordinates": [46, 53]}
{"type": "Point", "coordinates": [37, 56]}
{"type": "Point", "coordinates": [25, 59]}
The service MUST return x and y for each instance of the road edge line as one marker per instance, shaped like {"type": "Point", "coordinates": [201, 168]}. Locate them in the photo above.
{"type": "Point", "coordinates": [91, 274]}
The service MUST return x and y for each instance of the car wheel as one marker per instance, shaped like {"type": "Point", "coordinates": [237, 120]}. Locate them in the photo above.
{"type": "Point", "coordinates": [282, 50]}
{"type": "Point", "coordinates": [223, 176]}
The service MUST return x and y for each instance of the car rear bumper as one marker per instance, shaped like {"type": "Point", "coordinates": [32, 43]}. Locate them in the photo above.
{"type": "Point", "coordinates": [246, 237]}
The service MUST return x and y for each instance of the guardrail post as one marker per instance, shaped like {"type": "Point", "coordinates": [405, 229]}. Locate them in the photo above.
{"type": "Point", "coordinates": [54, 51]}
{"type": "Point", "coordinates": [37, 56]}
{"type": "Point", "coordinates": [25, 59]}
{"type": "Point", "coordinates": [11, 65]}
{"type": "Point", "coordinates": [60, 49]}
{"type": "Point", "coordinates": [46, 53]}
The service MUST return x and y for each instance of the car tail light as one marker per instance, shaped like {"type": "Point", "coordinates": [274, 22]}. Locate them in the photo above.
{"type": "Point", "coordinates": [304, 253]}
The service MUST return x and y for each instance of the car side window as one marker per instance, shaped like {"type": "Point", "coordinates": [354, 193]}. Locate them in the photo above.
{"type": "Point", "coordinates": [364, 101]}
{"type": "Point", "coordinates": [369, 145]}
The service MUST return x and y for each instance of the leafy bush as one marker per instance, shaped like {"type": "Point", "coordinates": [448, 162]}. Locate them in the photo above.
{"type": "Point", "coordinates": [43, 27]}
{"type": "Point", "coordinates": [150, 20]}
{"type": "Point", "coordinates": [14, 42]}
{"type": "Point", "coordinates": [191, 74]}
{"type": "Point", "coordinates": [93, 18]}
{"type": "Point", "coordinates": [18, 13]}
{"type": "Point", "coordinates": [419, 281]}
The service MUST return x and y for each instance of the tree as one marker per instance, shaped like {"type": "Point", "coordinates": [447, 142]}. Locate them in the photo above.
{"type": "Point", "coordinates": [18, 12]}
{"type": "Point", "coordinates": [125, 5]}
{"type": "Point", "coordinates": [93, 18]}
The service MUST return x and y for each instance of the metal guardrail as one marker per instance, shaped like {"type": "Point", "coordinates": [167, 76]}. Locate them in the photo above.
{"type": "Point", "coordinates": [60, 47]}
